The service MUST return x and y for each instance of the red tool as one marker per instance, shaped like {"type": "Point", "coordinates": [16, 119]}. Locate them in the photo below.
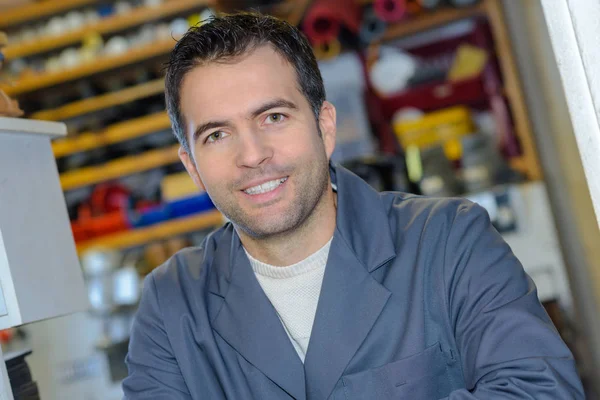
{"type": "Point", "coordinates": [325, 18]}
{"type": "Point", "coordinates": [390, 10]}
{"type": "Point", "coordinates": [105, 212]}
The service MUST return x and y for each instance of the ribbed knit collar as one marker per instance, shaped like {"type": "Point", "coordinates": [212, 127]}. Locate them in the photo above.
{"type": "Point", "coordinates": [314, 261]}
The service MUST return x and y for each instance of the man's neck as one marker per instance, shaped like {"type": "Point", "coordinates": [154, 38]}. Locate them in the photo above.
{"type": "Point", "coordinates": [294, 246]}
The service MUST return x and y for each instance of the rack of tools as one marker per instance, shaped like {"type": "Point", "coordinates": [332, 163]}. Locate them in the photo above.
{"type": "Point", "coordinates": [98, 67]}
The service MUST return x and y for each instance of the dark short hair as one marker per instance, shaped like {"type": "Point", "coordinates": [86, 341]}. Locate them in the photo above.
{"type": "Point", "coordinates": [223, 39]}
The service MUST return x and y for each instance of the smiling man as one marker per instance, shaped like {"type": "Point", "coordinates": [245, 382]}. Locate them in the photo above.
{"type": "Point", "coordinates": [320, 287]}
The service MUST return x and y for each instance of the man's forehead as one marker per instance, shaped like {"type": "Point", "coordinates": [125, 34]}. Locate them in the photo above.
{"type": "Point", "coordinates": [252, 54]}
{"type": "Point", "coordinates": [264, 72]}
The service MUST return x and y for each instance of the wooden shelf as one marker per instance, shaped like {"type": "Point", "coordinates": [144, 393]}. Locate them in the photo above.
{"type": "Point", "coordinates": [112, 24]}
{"type": "Point", "coordinates": [19, 15]}
{"type": "Point", "coordinates": [520, 164]}
{"type": "Point", "coordinates": [426, 21]}
{"type": "Point", "coordinates": [514, 90]}
{"type": "Point", "coordinates": [138, 237]}
{"type": "Point", "coordinates": [119, 167]}
{"type": "Point", "coordinates": [101, 102]}
{"type": "Point", "coordinates": [34, 82]}
{"type": "Point", "coordinates": [115, 133]}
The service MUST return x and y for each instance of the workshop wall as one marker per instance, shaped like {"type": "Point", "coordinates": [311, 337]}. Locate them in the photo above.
{"type": "Point", "coordinates": [430, 98]}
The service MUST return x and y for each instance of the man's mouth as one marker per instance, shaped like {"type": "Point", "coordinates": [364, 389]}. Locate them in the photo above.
{"type": "Point", "coordinates": [265, 187]}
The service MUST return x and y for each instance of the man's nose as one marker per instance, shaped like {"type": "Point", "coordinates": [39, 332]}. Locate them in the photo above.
{"type": "Point", "coordinates": [254, 150]}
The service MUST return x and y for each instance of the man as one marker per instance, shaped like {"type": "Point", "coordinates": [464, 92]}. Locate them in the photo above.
{"type": "Point", "coordinates": [320, 287]}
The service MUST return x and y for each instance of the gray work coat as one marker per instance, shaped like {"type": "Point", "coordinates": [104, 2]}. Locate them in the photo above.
{"type": "Point", "coordinates": [421, 299]}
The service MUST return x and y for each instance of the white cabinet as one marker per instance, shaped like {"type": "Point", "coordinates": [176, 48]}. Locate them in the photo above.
{"type": "Point", "coordinates": [40, 275]}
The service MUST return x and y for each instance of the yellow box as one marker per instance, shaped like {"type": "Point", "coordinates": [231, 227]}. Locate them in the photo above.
{"type": "Point", "coordinates": [177, 186]}
{"type": "Point", "coordinates": [434, 128]}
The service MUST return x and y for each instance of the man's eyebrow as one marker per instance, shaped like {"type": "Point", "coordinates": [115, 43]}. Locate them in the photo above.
{"type": "Point", "coordinates": [209, 125]}
{"type": "Point", "coordinates": [224, 123]}
{"type": "Point", "coordinates": [273, 104]}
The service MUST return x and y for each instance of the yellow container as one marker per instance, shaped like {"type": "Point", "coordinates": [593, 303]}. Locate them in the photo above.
{"type": "Point", "coordinates": [443, 127]}
{"type": "Point", "coordinates": [178, 186]}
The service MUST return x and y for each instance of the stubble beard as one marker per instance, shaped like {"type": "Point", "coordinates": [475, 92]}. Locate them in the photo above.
{"type": "Point", "coordinates": [310, 189]}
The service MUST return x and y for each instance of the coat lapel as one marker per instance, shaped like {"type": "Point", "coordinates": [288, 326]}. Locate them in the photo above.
{"type": "Point", "coordinates": [351, 299]}
{"type": "Point", "coordinates": [249, 323]}
{"type": "Point", "coordinates": [350, 302]}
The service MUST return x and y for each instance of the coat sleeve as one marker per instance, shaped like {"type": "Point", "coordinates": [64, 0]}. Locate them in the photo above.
{"type": "Point", "coordinates": [508, 346]}
{"type": "Point", "coordinates": [153, 370]}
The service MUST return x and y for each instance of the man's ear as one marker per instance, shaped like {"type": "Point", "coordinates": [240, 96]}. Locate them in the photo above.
{"type": "Point", "coordinates": [190, 166]}
{"type": "Point", "coordinates": [327, 123]}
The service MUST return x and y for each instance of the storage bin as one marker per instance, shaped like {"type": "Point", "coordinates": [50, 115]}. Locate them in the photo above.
{"type": "Point", "coordinates": [435, 128]}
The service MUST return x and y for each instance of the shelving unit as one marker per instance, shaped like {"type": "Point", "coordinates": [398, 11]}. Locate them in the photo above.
{"type": "Point", "coordinates": [20, 15]}
{"type": "Point", "coordinates": [112, 24]}
{"type": "Point", "coordinates": [101, 102]}
{"type": "Point", "coordinates": [121, 131]}
{"type": "Point", "coordinates": [34, 82]}
{"type": "Point", "coordinates": [432, 20]}
{"type": "Point", "coordinates": [116, 133]}
{"type": "Point", "coordinates": [138, 237]}
{"type": "Point", "coordinates": [528, 163]}
{"type": "Point", "coordinates": [120, 167]}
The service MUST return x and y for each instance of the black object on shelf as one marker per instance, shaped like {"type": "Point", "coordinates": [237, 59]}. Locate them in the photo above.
{"type": "Point", "coordinates": [382, 172]}
{"type": "Point", "coordinates": [19, 374]}
{"type": "Point", "coordinates": [439, 178]}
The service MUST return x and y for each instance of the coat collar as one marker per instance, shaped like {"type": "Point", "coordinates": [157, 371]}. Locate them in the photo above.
{"type": "Point", "coordinates": [362, 219]}
{"type": "Point", "coordinates": [349, 304]}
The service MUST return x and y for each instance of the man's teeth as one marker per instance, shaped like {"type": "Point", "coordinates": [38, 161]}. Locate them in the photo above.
{"type": "Point", "coordinates": [265, 187]}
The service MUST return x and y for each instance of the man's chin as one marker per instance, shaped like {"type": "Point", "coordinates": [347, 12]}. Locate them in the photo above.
{"type": "Point", "coordinates": [266, 228]}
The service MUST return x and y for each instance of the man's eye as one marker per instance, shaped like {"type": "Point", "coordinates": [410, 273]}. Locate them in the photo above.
{"type": "Point", "coordinates": [275, 118]}
{"type": "Point", "coordinates": [215, 136]}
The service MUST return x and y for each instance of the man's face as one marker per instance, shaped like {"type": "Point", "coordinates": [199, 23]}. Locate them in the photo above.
{"type": "Point", "coordinates": [255, 142]}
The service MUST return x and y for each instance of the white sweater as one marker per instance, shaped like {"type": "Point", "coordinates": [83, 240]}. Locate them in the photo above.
{"type": "Point", "coordinates": [294, 292]}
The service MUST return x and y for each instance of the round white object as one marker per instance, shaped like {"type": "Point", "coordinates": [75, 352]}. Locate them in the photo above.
{"type": "Point", "coordinates": [70, 58]}
{"type": "Point", "coordinates": [56, 26]}
{"type": "Point", "coordinates": [40, 29]}
{"type": "Point", "coordinates": [75, 20]}
{"type": "Point", "coordinates": [179, 26]}
{"type": "Point", "coordinates": [407, 114]}
{"type": "Point", "coordinates": [126, 286]}
{"type": "Point", "coordinates": [116, 45]}
{"type": "Point", "coordinates": [147, 34]}
{"type": "Point", "coordinates": [391, 72]}
{"type": "Point", "coordinates": [91, 16]}
{"type": "Point", "coordinates": [123, 7]}
{"type": "Point", "coordinates": [133, 40]}
{"type": "Point", "coordinates": [152, 3]}
{"type": "Point", "coordinates": [163, 31]}
{"type": "Point", "coordinates": [53, 64]}
{"type": "Point", "coordinates": [16, 67]}
{"type": "Point", "coordinates": [206, 14]}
